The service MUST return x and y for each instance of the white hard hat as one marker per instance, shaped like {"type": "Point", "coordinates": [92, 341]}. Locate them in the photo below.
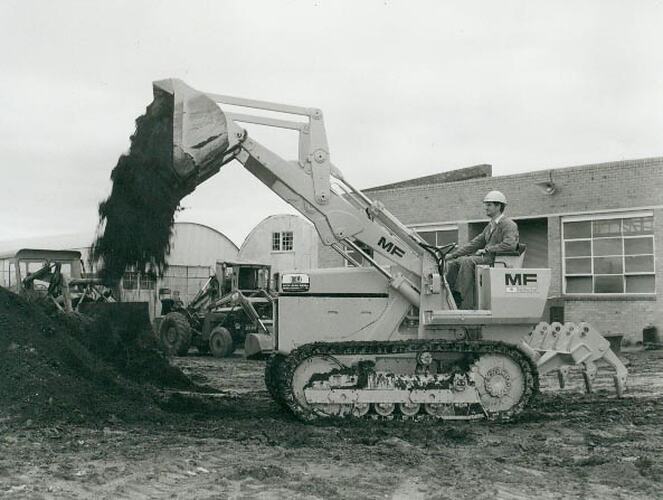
{"type": "Point", "coordinates": [495, 197]}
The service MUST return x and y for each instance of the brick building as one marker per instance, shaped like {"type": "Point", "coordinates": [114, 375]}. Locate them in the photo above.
{"type": "Point", "coordinates": [598, 227]}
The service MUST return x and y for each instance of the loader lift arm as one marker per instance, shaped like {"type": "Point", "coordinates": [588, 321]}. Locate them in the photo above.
{"type": "Point", "coordinates": [341, 216]}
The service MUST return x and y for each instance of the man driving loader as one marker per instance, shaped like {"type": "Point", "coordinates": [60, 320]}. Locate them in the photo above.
{"type": "Point", "coordinates": [500, 235]}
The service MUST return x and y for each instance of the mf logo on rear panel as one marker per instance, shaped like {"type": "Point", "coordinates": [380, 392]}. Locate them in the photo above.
{"type": "Point", "coordinates": [521, 282]}
{"type": "Point", "coordinates": [390, 247]}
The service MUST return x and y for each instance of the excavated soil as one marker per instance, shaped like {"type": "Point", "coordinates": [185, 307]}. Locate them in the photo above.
{"type": "Point", "coordinates": [56, 368]}
{"type": "Point", "coordinates": [238, 444]}
{"type": "Point", "coordinates": [136, 221]}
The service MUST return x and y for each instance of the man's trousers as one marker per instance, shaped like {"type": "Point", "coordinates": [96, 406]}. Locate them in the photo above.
{"type": "Point", "coordinates": [460, 276]}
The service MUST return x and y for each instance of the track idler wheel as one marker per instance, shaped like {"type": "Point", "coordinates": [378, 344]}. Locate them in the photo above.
{"type": "Point", "coordinates": [314, 366]}
{"type": "Point", "coordinates": [221, 342]}
{"type": "Point", "coordinates": [175, 334]}
{"type": "Point", "coordinates": [500, 383]}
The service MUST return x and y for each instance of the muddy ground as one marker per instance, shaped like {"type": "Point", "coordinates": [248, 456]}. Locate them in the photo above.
{"type": "Point", "coordinates": [238, 444]}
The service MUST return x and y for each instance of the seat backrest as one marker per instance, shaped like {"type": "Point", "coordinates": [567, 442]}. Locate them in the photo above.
{"type": "Point", "coordinates": [511, 259]}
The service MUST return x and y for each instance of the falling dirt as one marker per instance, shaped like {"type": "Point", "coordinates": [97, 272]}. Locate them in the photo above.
{"type": "Point", "coordinates": [238, 444]}
{"type": "Point", "coordinates": [135, 222]}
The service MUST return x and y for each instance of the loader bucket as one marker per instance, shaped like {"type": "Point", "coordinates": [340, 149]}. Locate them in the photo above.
{"type": "Point", "coordinates": [203, 138]}
{"type": "Point", "coordinates": [182, 139]}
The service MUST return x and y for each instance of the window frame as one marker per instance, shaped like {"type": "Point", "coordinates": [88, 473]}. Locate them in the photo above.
{"type": "Point", "coordinates": [282, 237]}
{"type": "Point", "coordinates": [620, 216]}
{"type": "Point", "coordinates": [435, 227]}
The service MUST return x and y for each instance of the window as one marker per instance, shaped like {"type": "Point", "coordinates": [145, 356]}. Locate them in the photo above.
{"type": "Point", "coordinates": [439, 237]}
{"type": "Point", "coordinates": [148, 281]}
{"type": "Point", "coordinates": [286, 241]}
{"type": "Point", "coordinates": [4, 273]}
{"type": "Point", "coordinates": [356, 255]}
{"type": "Point", "coordinates": [282, 242]}
{"type": "Point", "coordinates": [12, 281]}
{"type": "Point", "coordinates": [609, 255]}
{"type": "Point", "coordinates": [130, 280]}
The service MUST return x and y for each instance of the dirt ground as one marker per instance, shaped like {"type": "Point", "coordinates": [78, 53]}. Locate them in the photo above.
{"type": "Point", "coordinates": [238, 444]}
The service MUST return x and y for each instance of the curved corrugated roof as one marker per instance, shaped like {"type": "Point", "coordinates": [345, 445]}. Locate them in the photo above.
{"type": "Point", "coordinates": [211, 229]}
{"type": "Point", "coordinates": [264, 221]}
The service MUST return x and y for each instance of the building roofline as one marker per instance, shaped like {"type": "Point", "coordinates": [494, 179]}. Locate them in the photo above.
{"type": "Point", "coordinates": [274, 216]}
{"type": "Point", "coordinates": [13, 252]}
{"type": "Point", "coordinates": [620, 164]}
{"type": "Point", "coordinates": [208, 227]}
{"type": "Point", "coordinates": [473, 172]}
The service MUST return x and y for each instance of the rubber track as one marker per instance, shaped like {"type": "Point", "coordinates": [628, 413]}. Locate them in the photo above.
{"type": "Point", "coordinates": [279, 373]}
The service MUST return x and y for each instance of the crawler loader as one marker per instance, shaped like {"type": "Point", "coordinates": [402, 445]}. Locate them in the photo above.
{"type": "Point", "coordinates": [385, 341]}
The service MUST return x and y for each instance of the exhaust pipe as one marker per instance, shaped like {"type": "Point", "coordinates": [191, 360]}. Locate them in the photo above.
{"type": "Point", "coordinates": [203, 138]}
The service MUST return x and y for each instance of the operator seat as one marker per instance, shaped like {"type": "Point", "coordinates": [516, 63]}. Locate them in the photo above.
{"type": "Point", "coordinates": [511, 259]}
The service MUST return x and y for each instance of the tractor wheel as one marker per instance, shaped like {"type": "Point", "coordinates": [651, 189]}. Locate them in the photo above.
{"type": "Point", "coordinates": [175, 334]}
{"type": "Point", "coordinates": [221, 342]}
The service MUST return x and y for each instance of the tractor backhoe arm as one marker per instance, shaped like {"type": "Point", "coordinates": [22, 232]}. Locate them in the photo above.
{"type": "Point", "coordinates": [205, 138]}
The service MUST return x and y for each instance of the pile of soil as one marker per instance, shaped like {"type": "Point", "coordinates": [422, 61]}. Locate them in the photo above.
{"type": "Point", "coordinates": [58, 367]}
{"type": "Point", "coordinates": [136, 221]}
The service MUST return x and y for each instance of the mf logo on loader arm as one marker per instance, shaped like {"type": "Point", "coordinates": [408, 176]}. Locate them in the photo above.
{"type": "Point", "coordinates": [390, 247]}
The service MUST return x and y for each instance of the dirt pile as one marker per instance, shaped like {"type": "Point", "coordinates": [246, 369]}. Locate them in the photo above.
{"type": "Point", "coordinates": [64, 368]}
{"type": "Point", "coordinates": [135, 222]}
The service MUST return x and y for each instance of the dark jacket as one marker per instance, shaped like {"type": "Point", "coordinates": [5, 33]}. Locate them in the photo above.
{"type": "Point", "coordinates": [504, 238]}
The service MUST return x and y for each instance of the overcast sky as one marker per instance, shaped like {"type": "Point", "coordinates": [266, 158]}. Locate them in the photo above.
{"type": "Point", "coordinates": [408, 89]}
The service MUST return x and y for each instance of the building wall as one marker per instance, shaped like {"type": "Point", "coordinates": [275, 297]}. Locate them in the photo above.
{"type": "Point", "coordinates": [257, 246]}
{"type": "Point", "coordinates": [199, 245]}
{"type": "Point", "coordinates": [601, 188]}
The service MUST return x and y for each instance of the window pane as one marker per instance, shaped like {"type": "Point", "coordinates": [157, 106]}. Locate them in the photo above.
{"type": "Point", "coordinates": [633, 246]}
{"type": "Point", "coordinates": [608, 265]}
{"type": "Point", "coordinates": [610, 246]}
{"type": "Point", "coordinates": [640, 264]}
{"type": "Point", "coordinates": [286, 241]}
{"type": "Point", "coordinates": [578, 266]}
{"type": "Point", "coordinates": [446, 237]}
{"type": "Point", "coordinates": [147, 281]}
{"type": "Point", "coordinates": [130, 280]}
{"type": "Point", "coordinates": [640, 284]}
{"type": "Point", "coordinates": [608, 284]}
{"type": "Point", "coordinates": [577, 230]}
{"type": "Point", "coordinates": [607, 227]}
{"type": "Point", "coordinates": [579, 285]}
{"type": "Point", "coordinates": [577, 248]}
{"type": "Point", "coordinates": [276, 242]}
{"type": "Point", "coordinates": [35, 266]}
{"type": "Point", "coordinates": [639, 225]}
{"type": "Point", "coordinates": [65, 269]}
{"type": "Point", "coordinates": [429, 237]}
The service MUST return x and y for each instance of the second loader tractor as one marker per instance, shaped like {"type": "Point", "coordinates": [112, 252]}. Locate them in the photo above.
{"type": "Point", "coordinates": [232, 303]}
{"type": "Point", "coordinates": [385, 341]}
{"type": "Point", "coordinates": [56, 276]}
